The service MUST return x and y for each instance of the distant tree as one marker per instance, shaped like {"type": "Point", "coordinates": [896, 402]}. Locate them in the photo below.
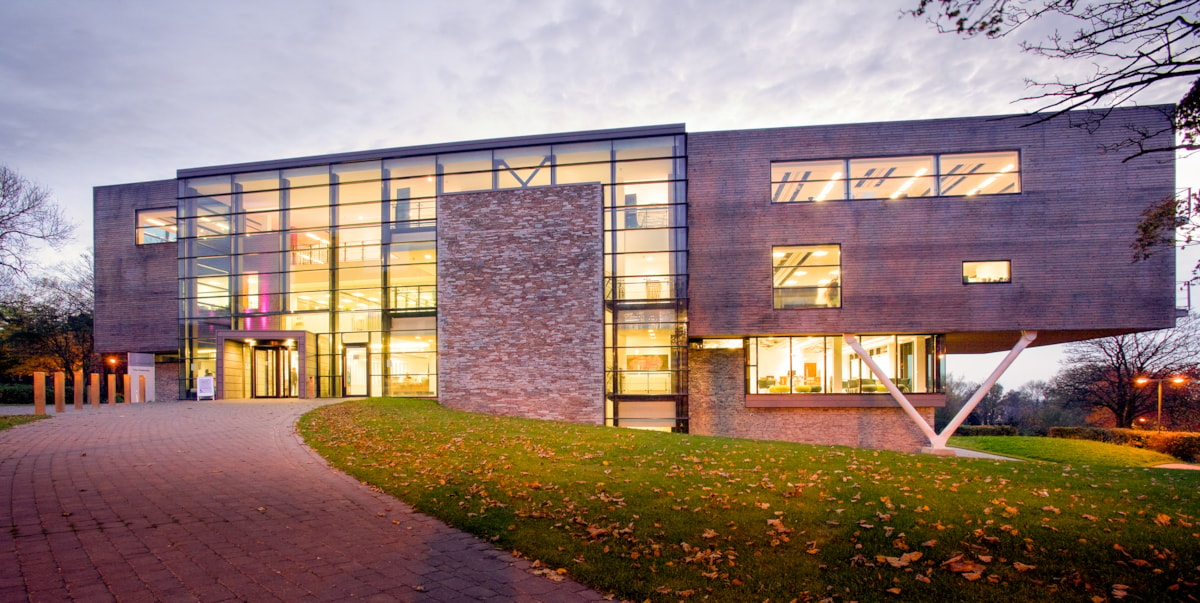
{"type": "Point", "coordinates": [28, 216]}
{"type": "Point", "coordinates": [1133, 45]}
{"type": "Point", "coordinates": [1035, 407]}
{"type": "Point", "coordinates": [958, 391]}
{"type": "Point", "coordinates": [1101, 373]}
{"type": "Point", "coordinates": [991, 409]}
{"type": "Point", "coordinates": [46, 324]}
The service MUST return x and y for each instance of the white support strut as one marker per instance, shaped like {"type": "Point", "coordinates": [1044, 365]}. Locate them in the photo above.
{"type": "Point", "coordinates": [852, 341]}
{"type": "Point", "coordinates": [1027, 338]}
{"type": "Point", "coordinates": [938, 441]}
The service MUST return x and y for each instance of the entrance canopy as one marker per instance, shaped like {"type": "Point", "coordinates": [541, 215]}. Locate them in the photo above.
{"type": "Point", "coordinates": [266, 364]}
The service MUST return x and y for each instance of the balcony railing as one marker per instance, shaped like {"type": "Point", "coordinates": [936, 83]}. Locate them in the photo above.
{"type": "Point", "coordinates": [646, 287]}
{"type": "Point", "coordinates": [414, 298]}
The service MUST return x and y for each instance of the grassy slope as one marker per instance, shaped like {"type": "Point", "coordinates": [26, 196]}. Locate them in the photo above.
{"type": "Point", "coordinates": [665, 517]}
{"type": "Point", "coordinates": [7, 421]}
{"type": "Point", "coordinates": [1059, 450]}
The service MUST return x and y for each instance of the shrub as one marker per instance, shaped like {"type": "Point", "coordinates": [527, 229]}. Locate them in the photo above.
{"type": "Point", "coordinates": [16, 393]}
{"type": "Point", "coordinates": [1098, 434]}
{"type": "Point", "coordinates": [1181, 445]}
{"type": "Point", "coordinates": [986, 430]}
{"type": "Point", "coordinates": [21, 393]}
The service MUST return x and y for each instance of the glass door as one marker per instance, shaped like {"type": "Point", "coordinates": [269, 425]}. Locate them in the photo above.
{"type": "Point", "coordinates": [273, 372]}
{"type": "Point", "coordinates": [355, 373]}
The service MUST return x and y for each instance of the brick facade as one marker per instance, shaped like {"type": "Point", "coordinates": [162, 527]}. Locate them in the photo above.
{"type": "Point", "coordinates": [166, 381]}
{"type": "Point", "coordinates": [137, 286]}
{"type": "Point", "coordinates": [1067, 234]}
{"type": "Point", "coordinates": [717, 405]}
{"type": "Point", "coordinates": [520, 311]}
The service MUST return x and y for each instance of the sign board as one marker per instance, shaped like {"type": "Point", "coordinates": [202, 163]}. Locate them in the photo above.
{"type": "Point", "coordinates": [206, 387]}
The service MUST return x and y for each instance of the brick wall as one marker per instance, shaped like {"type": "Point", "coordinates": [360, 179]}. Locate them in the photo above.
{"type": "Point", "coordinates": [520, 304]}
{"type": "Point", "coordinates": [717, 406]}
{"type": "Point", "coordinates": [166, 381]}
{"type": "Point", "coordinates": [1067, 234]}
{"type": "Point", "coordinates": [136, 285]}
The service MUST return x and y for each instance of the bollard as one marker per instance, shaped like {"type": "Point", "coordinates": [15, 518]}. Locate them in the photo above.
{"type": "Point", "coordinates": [60, 392]}
{"type": "Point", "coordinates": [141, 388]}
{"type": "Point", "coordinates": [39, 393]}
{"type": "Point", "coordinates": [77, 379]}
{"type": "Point", "coordinates": [112, 390]}
{"type": "Point", "coordinates": [94, 390]}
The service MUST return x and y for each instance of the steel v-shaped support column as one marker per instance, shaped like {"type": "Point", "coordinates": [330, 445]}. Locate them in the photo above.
{"type": "Point", "coordinates": [938, 441]}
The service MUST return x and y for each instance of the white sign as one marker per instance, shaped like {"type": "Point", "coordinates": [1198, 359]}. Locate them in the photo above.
{"type": "Point", "coordinates": [206, 387]}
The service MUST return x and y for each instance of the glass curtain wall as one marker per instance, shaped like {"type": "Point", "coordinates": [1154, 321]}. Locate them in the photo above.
{"type": "Point", "coordinates": [348, 251]}
{"type": "Point", "coordinates": [645, 280]}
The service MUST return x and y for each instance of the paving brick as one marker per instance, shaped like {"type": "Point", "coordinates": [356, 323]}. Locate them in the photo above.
{"type": "Point", "coordinates": [175, 530]}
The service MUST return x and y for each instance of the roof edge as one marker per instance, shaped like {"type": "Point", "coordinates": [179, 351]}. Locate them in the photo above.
{"type": "Point", "coordinates": [427, 149]}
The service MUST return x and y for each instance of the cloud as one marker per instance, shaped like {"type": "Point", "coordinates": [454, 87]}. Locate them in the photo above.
{"type": "Point", "coordinates": [97, 93]}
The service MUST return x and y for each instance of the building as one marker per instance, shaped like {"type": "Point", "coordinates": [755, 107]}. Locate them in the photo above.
{"type": "Point", "coordinates": [792, 283]}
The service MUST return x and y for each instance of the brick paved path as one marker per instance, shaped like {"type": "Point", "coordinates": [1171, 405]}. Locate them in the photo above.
{"type": "Point", "coordinates": [220, 501]}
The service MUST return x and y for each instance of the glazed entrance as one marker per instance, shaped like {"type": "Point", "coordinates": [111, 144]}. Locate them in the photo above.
{"type": "Point", "coordinates": [274, 371]}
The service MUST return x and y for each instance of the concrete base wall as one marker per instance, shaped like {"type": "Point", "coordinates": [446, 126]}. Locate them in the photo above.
{"type": "Point", "coordinates": [717, 406]}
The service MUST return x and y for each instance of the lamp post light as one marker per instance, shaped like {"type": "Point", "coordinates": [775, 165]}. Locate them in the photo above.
{"type": "Point", "coordinates": [1177, 380]}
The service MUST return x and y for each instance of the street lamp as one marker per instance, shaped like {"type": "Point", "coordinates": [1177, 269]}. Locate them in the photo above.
{"type": "Point", "coordinates": [1177, 380]}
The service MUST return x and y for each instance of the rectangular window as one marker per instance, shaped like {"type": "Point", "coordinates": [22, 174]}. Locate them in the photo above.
{"type": "Point", "coordinates": [948, 175]}
{"type": "Point", "coordinates": [808, 181]}
{"type": "Point", "coordinates": [971, 174]}
{"type": "Point", "coordinates": [892, 177]}
{"type": "Point", "coordinates": [807, 276]}
{"type": "Point", "coordinates": [156, 226]}
{"type": "Point", "coordinates": [824, 364]}
{"type": "Point", "coordinates": [992, 271]}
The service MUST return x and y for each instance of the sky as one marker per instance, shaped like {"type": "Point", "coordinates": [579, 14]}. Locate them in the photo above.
{"type": "Point", "coordinates": [95, 93]}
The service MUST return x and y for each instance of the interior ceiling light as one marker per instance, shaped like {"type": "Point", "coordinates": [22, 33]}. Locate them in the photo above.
{"type": "Point", "coordinates": [908, 183]}
{"type": "Point", "coordinates": [829, 186]}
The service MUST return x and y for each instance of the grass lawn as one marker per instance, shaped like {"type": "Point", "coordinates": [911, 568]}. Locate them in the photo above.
{"type": "Point", "coordinates": [7, 421]}
{"type": "Point", "coordinates": [1061, 450]}
{"type": "Point", "coordinates": [669, 517]}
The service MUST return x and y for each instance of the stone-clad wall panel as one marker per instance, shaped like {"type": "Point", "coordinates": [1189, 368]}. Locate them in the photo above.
{"type": "Point", "coordinates": [520, 303]}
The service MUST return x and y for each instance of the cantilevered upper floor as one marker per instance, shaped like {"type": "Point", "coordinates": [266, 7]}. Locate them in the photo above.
{"type": "Point", "coordinates": [976, 227]}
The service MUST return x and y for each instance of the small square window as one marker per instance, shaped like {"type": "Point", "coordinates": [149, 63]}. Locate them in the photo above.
{"type": "Point", "coordinates": [156, 226]}
{"type": "Point", "coordinates": [807, 276]}
{"type": "Point", "coordinates": [991, 271]}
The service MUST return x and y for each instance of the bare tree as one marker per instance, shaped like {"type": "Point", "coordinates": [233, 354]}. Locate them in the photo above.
{"type": "Point", "coordinates": [1102, 373]}
{"type": "Point", "coordinates": [1134, 45]}
{"type": "Point", "coordinates": [46, 323]}
{"type": "Point", "coordinates": [28, 216]}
